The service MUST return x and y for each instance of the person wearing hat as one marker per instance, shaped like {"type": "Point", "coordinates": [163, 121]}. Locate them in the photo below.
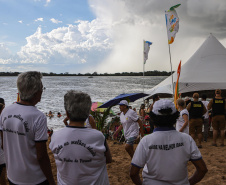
{"type": "Point", "coordinates": [164, 154]}
{"type": "Point", "coordinates": [218, 107]}
{"type": "Point", "coordinates": [130, 123]}
{"type": "Point", "coordinates": [196, 111]}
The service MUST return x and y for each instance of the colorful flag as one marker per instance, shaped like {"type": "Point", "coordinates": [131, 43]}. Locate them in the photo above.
{"type": "Point", "coordinates": [172, 23]}
{"type": "Point", "coordinates": [176, 93]}
{"type": "Point", "coordinates": [146, 50]}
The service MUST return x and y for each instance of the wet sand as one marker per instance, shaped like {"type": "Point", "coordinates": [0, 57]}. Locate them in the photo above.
{"type": "Point", "coordinates": [118, 170]}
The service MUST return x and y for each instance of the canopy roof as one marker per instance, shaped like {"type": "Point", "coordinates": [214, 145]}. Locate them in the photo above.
{"type": "Point", "coordinates": [204, 72]}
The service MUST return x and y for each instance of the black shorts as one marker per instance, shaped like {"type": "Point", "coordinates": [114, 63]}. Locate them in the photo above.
{"type": "Point", "coordinates": [46, 182]}
{"type": "Point", "coordinates": [2, 166]}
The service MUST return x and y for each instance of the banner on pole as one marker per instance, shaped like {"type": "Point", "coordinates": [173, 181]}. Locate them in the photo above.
{"type": "Point", "coordinates": [172, 23]}
{"type": "Point", "coordinates": [146, 49]}
{"type": "Point", "coordinates": [176, 94]}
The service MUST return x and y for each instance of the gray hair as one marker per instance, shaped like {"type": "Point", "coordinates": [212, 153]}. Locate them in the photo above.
{"type": "Point", "coordinates": [77, 104]}
{"type": "Point", "coordinates": [29, 83]}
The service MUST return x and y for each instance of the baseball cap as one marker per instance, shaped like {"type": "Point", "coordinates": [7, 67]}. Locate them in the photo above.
{"type": "Point", "coordinates": [123, 102]}
{"type": "Point", "coordinates": [163, 104]}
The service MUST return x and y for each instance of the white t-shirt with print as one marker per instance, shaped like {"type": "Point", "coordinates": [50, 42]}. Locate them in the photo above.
{"type": "Point", "coordinates": [87, 124]}
{"type": "Point", "coordinates": [80, 156]}
{"type": "Point", "coordinates": [164, 155]}
{"type": "Point", "coordinates": [180, 121]}
{"type": "Point", "coordinates": [22, 127]}
{"type": "Point", "coordinates": [130, 124]}
{"type": "Point", "coordinates": [206, 115]}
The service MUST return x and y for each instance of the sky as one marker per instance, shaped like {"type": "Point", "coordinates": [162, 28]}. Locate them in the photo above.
{"type": "Point", "coordinates": [103, 36]}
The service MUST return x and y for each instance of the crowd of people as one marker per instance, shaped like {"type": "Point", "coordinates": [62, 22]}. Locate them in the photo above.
{"type": "Point", "coordinates": [81, 151]}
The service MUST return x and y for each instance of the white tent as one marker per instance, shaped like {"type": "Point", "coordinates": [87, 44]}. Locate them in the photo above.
{"type": "Point", "coordinates": [205, 71]}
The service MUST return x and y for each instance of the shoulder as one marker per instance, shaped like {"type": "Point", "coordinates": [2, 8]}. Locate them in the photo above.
{"type": "Point", "coordinates": [184, 111]}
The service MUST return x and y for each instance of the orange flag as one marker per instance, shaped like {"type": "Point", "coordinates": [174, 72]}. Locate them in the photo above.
{"type": "Point", "coordinates": [176, 92]}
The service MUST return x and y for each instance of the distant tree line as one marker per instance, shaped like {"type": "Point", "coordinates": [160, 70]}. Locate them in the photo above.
{"type": "Point", "coordinates": [147, 73]}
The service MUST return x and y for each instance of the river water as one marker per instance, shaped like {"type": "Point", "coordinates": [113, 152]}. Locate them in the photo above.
{"type": "Point", "coordinates": [100, 89]}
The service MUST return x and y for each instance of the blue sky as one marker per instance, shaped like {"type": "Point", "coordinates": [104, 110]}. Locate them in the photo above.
{"type": "Point", "coordinates": [80, 36]}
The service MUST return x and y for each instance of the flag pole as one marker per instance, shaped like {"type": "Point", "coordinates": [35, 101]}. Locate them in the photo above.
{"type": "Point", "coordinates": [171, 69]}
{"type": "Point", "coordinates": [143, 69]}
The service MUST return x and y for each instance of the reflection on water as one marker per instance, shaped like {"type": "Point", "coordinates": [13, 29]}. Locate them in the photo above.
{"type": "Point", "coordinates": [100, 89]}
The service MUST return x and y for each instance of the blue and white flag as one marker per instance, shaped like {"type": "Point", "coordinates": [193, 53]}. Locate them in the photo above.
{"type": "Point", "coordinates": [146, 49]}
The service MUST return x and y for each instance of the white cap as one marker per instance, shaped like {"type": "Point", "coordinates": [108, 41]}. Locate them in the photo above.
{"type": "Point", "coordinates": [186, 98]}
{"type": "Point", "coordinates": [163, 104]}
{"type": "Point", "coordinates": [123, 102]}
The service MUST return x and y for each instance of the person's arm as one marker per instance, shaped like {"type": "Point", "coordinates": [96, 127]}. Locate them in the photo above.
{"type": "Point", "coordinates": [185, 117]}
{"type": "Point", "coordinates": [92, 122]}
{"type": "Point", "coordinates": [117, 131]}
{"type": "Point", "coordinates": [200, 172]}
{"type": "Point", "coordinates": [141, 127]}
{"type": "Point", "coordinates": [134, 175]}
{"type": "Point", "coordinates": [209, 106]}
{"type": "Point", "coordinates": [44, 162]}
{"type": "Point", "coordinates": [65, 121]}
{"type": "Point", "coordinates": [108, 153]}
{"type": "Point", "coordinates": [188, 107]}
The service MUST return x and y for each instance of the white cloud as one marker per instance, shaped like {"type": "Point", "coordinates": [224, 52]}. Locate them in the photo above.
{"type": "Point", "coordinates": [39, 19]}
{"type": "Point", "coordinates": [55, 21]}
{"type": "Point", "coordinates": [20, 21]}
{"type": "Point", "coordinates": [69, 44]}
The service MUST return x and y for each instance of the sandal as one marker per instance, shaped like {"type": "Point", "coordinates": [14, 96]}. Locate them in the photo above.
{"type": "Point", "coordinates": [214, 144]}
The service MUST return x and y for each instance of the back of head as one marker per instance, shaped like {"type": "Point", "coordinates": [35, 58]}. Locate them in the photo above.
{"type": "Point", "coordinates": [155, 97]}
{"type": "Point", "coordinates": [181, 102]}
{"type": "Point", "coordinates": [164, 113]}
{"type": "Point", "coordinates": [142, 106]}
{"type": "Point", "coordinates": [204, 96]}
{"type": "Point", "coordinates": [2, 104]}
{"type": "Point", "coordinates": [196, 96]}
{"type": "Point", "coordinates": [2, 101]}
{"type": "Point", "coordinates": [78, 105]}
{"type": "Point", "coordinates": [29, 83]}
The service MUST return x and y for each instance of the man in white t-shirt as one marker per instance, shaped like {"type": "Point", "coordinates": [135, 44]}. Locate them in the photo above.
{"type": "Point", "coordinates": [80, 153]}
{"type": "Point", "coordinates": [206, 118]}
{"type": "Point", "coordinates": [25, 134]}
{"type": "Point", "coordinates": [130, 123]}
{"type": "Point", "coordinates": [164, 154]}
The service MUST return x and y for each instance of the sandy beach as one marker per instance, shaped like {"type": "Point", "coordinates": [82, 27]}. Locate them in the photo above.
{"type": "Point", "coordinates": [118, 170]}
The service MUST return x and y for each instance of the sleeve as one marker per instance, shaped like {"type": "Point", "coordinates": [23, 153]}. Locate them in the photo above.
{"type": "Point", "coordinates": [40, 130]}
{"type": "Point", "coordinates": [134, 116]}
{"type": "Point", "coordinates": [195, 153]}
{"type": "Point", "coordinates": [139, 157]}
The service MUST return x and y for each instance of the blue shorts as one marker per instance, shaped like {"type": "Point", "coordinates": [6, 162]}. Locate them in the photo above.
{"type": "Point", "coordinates": [131, 140]}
